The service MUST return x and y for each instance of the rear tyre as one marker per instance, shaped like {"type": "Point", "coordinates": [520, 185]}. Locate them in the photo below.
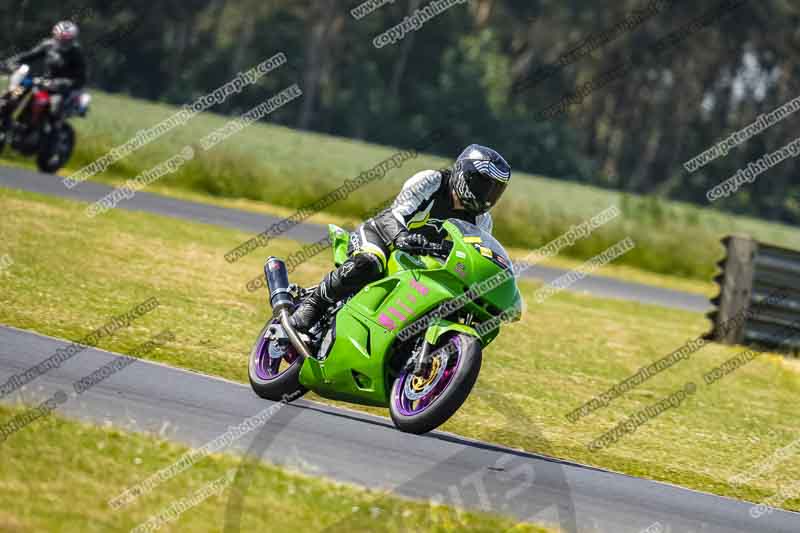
{"type": "Point", "coordinates": [56, 149]}
{"type": "Point", "coordinates": [275, 378]}
{"type": "Point", "coordinates": [417, 408]}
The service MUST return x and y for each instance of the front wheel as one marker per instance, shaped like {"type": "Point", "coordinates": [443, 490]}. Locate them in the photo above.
{"type": "Point", "coordinates": [419, 405]}
{"type": "Point", "coordinates": [56, 149]}
{"type": "Point", "coordinates": [274, 369]}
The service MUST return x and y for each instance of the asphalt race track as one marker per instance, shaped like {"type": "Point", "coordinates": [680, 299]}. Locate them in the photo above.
{"type": "Point", "coordinates": [367, 450]}
{"type": "Point", "coordinates": [355, 447]}
{"type": "Point", "coordinates": [152, 203]}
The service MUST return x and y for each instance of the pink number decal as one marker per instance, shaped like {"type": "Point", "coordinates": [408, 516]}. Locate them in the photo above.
{"type": "Point", "coordinates": [419, 287]}
{"type": "Point", "coordinates": [386, 322]}
{"type": "Point", "coordinates": [406, 308]}
{"type": "Point", "coordinates": [397, 313]}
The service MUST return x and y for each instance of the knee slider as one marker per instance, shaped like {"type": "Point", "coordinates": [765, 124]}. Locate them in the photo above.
{"type": "Point", "coordinates": [354, 273]}
{"type": "Point", "coordinates": [367, 266]}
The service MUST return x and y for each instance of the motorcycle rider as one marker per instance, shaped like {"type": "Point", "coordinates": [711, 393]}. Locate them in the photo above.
{"type": "Point", "coordinates": [64, 64]}
{"type": "Point", "coordinates": [466, 191]}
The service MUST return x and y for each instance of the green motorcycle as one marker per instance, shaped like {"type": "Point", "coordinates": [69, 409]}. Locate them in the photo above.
{"type": "Point", "coordinates": [410, 341]}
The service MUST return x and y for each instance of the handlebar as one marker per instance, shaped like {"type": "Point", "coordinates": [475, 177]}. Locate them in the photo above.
{"type": "Point", "coordinates": [37, 81]}
{"type": "Point", "coordinates": [436, 250]}
{"type": "Point", "coordinates": [441, 250]}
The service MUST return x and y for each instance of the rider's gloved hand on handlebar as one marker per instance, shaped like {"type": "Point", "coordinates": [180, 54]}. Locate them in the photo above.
{"type": "Point", "coordinates": [58, 84]}
{"type": "Point", "coordinates": [410, 242]}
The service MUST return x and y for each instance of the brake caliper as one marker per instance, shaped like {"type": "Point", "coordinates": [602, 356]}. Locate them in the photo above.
{"type": "Point", "coordinates": [420, 381]}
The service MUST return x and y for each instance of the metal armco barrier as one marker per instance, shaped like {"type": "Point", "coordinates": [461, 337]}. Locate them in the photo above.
{"type": "Point", "coordinates": [759, 299]}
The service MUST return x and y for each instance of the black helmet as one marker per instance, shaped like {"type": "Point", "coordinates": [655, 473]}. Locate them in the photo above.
{"type": "Point", "coordinates": [480, 175]}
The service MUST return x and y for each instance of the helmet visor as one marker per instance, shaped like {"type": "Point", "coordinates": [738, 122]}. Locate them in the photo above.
{"type": "Point", "coordinates": [487, 191]}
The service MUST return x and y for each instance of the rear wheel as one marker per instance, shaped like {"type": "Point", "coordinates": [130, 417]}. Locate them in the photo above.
{"type": "Point", "coordinates": [56, 149]}
{"type": "Point", "coordinates": [419, 405]}
{"type": "Point", "coordinates": [275, 370]}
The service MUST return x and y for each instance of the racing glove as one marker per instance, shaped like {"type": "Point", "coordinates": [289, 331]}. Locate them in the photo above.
{"type": "Point", "coordinates": [410, 242]}
{"type": "Point", "coordinates": [58, 84]}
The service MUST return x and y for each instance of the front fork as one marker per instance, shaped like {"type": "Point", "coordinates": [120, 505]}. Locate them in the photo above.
{"type": "Point", "coordinates": [420, 365]}
{"type": "Point", "coordinates": [424, 359]}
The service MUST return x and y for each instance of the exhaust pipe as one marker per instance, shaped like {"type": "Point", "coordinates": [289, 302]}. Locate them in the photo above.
{"type": "Point", "coordinates": [296, 341]}
{"type": "Point", "coordinates": [281, 301]}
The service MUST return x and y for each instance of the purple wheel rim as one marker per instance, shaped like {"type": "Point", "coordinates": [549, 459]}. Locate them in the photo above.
{"type": "Point", "coordinates": [268, 368]}
{"type": "Point", "coordinates": [409, 407]}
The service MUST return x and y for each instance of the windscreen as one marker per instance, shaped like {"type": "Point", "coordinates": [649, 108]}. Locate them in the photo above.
{"type": "Point", "coordinates": [484, 243]}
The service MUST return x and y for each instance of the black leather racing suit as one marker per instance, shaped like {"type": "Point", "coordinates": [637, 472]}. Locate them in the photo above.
{"type": "Point", "coordinates": [422, 205]}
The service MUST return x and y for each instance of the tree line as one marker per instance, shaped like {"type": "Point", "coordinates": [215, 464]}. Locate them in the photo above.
{"type": "Point", "coordinates": [640, 86]}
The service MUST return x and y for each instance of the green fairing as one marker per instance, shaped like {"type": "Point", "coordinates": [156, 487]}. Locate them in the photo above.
{"type": "Point", "coordinates": [368, 327]}
{"type": "Point", "coordinates": [339, 238]}
{"type": "Point", "coordinates": [442, 326]}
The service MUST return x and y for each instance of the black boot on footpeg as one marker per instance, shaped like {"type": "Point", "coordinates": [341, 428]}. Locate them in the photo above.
{"type": "Point", "coordinates": [308, 312]}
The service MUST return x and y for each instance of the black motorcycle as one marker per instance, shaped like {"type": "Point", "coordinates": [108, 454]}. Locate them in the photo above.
{"type": "Point", "coordinates": [29, 124]}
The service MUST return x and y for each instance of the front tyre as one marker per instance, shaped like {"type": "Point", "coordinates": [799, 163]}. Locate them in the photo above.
{"type": "Point", "coordinates": [418, 405]}
{"type": "Point", "coordinates": [56, 149]}
{"type": "Point", "coordinates": [274, 371]}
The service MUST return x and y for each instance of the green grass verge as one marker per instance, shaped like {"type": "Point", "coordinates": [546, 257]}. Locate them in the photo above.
{"type": "Point", "coordinates": [291, 168]}
{"type": "Point", "coordinates": [615, 271]}
{"type": "Point", "coordinates": [58, 475]}
{"type": "Point", "coordinates": [70, 274]}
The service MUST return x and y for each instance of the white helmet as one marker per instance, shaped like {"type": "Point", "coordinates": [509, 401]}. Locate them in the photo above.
{"type": "Point", "coordinates": [65, 33]}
